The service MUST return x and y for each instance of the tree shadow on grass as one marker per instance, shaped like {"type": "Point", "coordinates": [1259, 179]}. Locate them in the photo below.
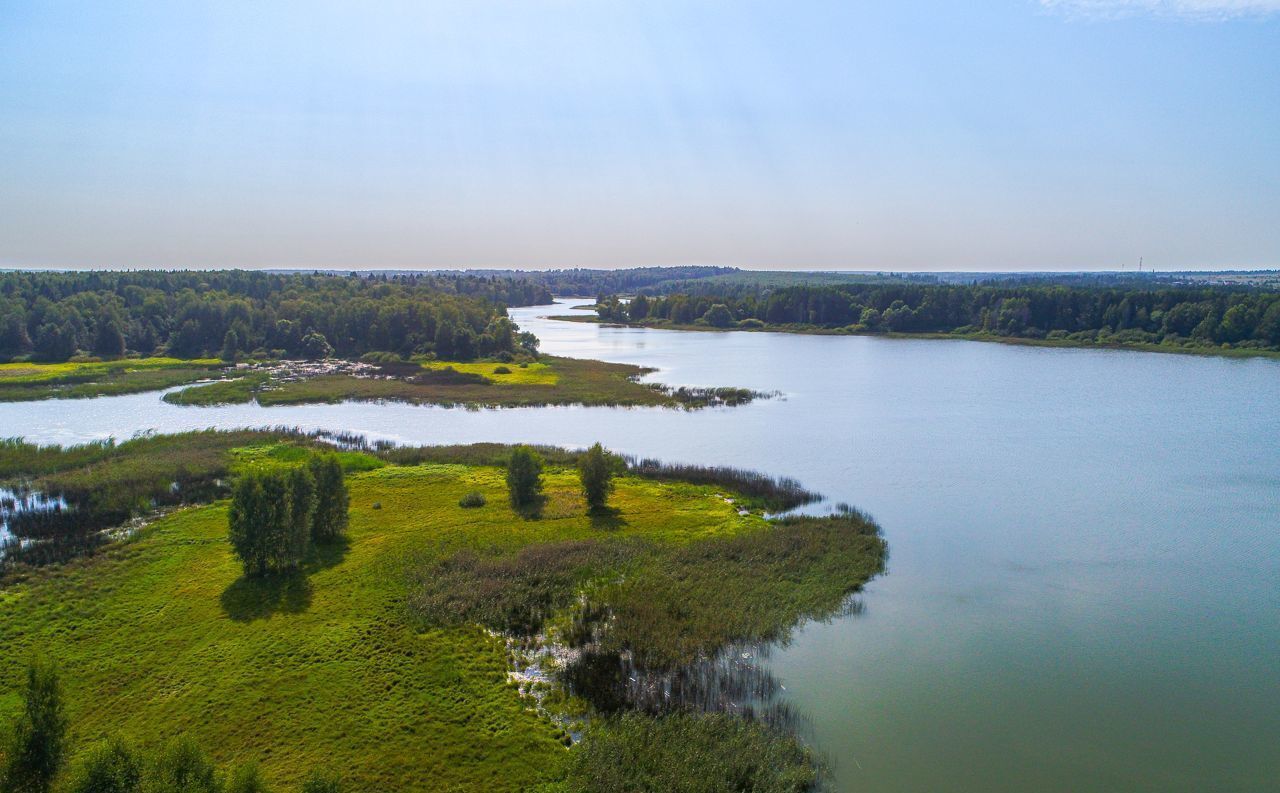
{"type": "Point", "coordinates": [531, 510]}
{"type": "Point", "coordinates": [251, 598]}
{"type": "Point", "coordinates": [607, 519]}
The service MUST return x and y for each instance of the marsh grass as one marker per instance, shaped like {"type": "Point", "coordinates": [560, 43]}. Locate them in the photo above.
{"type": "Point", "coordinates": [78, 380]}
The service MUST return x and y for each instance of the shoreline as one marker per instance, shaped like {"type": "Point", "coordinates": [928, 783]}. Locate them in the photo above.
{"type": "Point", "coordinates": [1217, 352]}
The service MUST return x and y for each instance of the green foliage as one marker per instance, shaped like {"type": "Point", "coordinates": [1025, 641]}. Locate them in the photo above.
{"type": "Point", "coordinates": [54, 314]}
{"type": "Point", "coordinates": [718, 316]}
{"type": "Point", "coordinates": [524, 477]}
{"type": "Point", "coordinates": [1142, 314]}
{"type": "Point", "coordinates": [596, 472]}
{"type": "Point", "coordinates": [322, 782]}
{"type": "Point", "coordinates": [36, 744]}
{"type": "Point", "coordinates": [331, 500]}
{"type": "Point", "coordinates": [689, 753]}
{"type": "Point", "coordinates": [110, 766]}
{"type": "Point", "coordinates": [261, 524]}
{"type": "Point", "coordinates": [247, 778]}
{"type": "Point", "coordinates": [472, 500]}
{"type": "Point", "coordinates": [180, 767]}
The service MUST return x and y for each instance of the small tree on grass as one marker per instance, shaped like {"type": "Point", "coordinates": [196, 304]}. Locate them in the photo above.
{"type": "Point", "coordinates": [302, 509]}
{"type": "Point", "coordinates": [597, 476]}
{"type": "Point", "coordinates": [262, 528]}
{"type": "Point", "coordinates": [524, 477]}
{"type": "Point", "coordinates": [36, 744]}
{"type": "Point", "coordinates": [181, 767]}
{"type": "Point", "coordinates": [330, 518]}
{"type": "Point", "coordinates": [109, 767]}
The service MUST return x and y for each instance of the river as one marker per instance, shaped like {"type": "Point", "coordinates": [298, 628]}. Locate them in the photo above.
{"type": "Point", "coordinates": [1084, 580]}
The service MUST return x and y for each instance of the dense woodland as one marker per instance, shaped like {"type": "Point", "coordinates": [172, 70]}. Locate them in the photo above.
{"type": "Point", "coordinates": [50, 316]}
{"type": "Point", "coordinates": [1241, 318]}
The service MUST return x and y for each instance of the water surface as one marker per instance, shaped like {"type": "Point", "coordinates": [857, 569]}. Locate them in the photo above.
{"type": "Point", "coordinates": [1084, 577]}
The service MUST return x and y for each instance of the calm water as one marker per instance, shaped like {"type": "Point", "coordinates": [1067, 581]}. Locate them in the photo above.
{"type": "Point", "coordinates": [1084, 578]}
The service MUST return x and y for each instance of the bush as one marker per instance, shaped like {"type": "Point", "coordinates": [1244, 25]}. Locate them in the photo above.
{"type": "Point", "coordinates": [246, 779]}
{"type": "Point", "coordinates": [750, 322]}
{"type": "Point", "coordinates": [473, 499]}
{"type": "Point", "coordinates": [524, 477]}
{"type": "Point", "coordinates": [502, 370]}
{"type": "Point", "coordinates": [181, 767]}
{"type": "Point", "coordinates": [322, 782]}
{"type": "Point", "coordinates": [597, 476]}
{"type": "Point", "coordinates": [108, 767]}
{"type": "Point", "coordinates": [37, 741]}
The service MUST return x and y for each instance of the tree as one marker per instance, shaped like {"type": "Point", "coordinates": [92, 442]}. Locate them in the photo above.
{"type": "Point", "coordinates": [55, 341]}
{"type": "Point", "coordinates": [230, 346]}
{"type": "Point", "coordinates": [302, 507]}
{"type": "Point", "coordinates": [331, 501]}
{"type": "Point", "coordinates": [37, 742]}
{"type": "Point", "coordinates": [181, 767]}
{"type": "Point", "coordinates": [261, 528]}
{"type": "Point", "coordinates": [524, 477]}
{"type": "Point", "coordinates": [597, 476]}
{"type": "Point", "coordinates": [109, 767]}
{"type": "Point", "coordinates": [321, 782]}
{"type": "Point", "coordinates": [108, 342]}
{"type": "Point", "coordinates": [315, 346]}
{"type": "Point", "coordinates": [246, 779]}
{"type": "Point", "coordinates": [638, 309]}
{"type": "Point", "coordinates": [718, 316]}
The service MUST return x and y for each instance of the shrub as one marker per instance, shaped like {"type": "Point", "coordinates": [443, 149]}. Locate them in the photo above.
{"type": "Point", "coordinates": [502, 370]}
{"type": "Point", "coordinates": [750, 322]}
{"type": "Point", "coordinates": [473, 499]}
{"type": "Point", "coordinates": [37, 740]}
{"type": "Point", "coordinates": [597, 476]}
{"type": "Point", "coordinates": [524, 476]}
{"type": "Point", "coordinates": [246, 779]}
{"type": "Point", "coordinates": [181, 767]}
{"type": "Point", "coordinates": [108, 767]}
{"type": "Point", "coordinates": [322, 782]}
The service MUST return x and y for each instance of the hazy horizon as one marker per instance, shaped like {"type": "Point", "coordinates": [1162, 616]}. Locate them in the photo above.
{"type": "Point", "coordinates": [1021, 135]}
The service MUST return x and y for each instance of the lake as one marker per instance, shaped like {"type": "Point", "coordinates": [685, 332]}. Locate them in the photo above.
{"type": "Point", "coordinates": [1084, 579]}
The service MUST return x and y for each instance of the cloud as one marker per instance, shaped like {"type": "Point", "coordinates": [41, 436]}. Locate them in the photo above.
{"type": "Point", "coordinates": [1189, 9]}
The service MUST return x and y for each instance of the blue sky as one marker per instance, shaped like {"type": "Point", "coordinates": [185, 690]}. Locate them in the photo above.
{"type": "Point", "coordinates": [1008, 134]}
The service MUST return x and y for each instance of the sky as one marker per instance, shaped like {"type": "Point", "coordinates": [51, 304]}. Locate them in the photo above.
{"type": "Point", "coordinates": [894, 135]}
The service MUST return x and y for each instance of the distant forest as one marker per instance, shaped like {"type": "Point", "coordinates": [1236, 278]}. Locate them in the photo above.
{"type": "Point", "coordinates": [1241, 318]}
{"type": "Point", "coordinates": [584, 282]}
{"type": "Point", "coordinates": [56, 316]}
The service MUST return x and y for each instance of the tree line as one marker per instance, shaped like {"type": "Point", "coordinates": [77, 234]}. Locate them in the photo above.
{"type": "Point", "coordinates": [56, 316]}
{"type": "Point", "coordinates": [33, 758]}
{"type": "Point", "coordinates": [1242, 318]}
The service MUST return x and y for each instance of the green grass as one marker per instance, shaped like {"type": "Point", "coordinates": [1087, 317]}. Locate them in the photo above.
{"type": "Point", "coordinates": [537, 373]}
{"type": "Point", "coordinates": [161, 635]}
{"type": "Point", "coordinates": [78, 380]}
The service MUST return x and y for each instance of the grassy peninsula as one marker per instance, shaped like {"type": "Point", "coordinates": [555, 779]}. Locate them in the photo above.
{"type": "Point", "coordinates": [548, 380]}
{"type": "Point", "coordinates": [395, 656]}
